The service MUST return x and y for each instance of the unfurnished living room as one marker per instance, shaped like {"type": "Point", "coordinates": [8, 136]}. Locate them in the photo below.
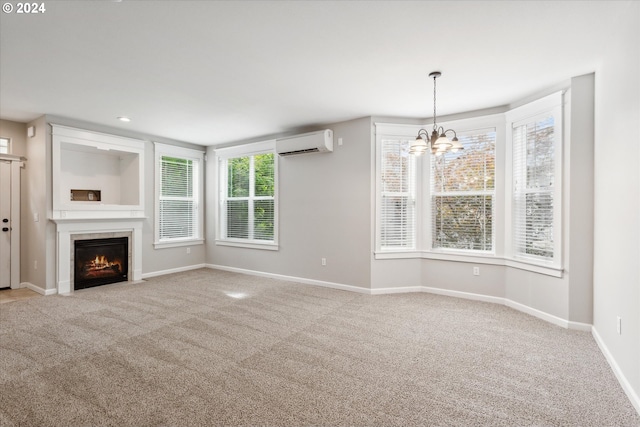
{"type": "Point", "coordinates": [320, 213]}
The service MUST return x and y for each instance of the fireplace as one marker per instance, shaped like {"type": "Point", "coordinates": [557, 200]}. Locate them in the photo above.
{"type": "Point", "coordinates": [100, 262]}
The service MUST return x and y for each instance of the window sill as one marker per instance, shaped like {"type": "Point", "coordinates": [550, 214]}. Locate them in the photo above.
{"type": "Point", "coordinates": [248, 245]}
{"type": "Point", "coordinates": [397, 254]}
{"type": "Point", "coordinates": [178, 243]}
{"type": "Point", "coordinates": [472, 258]}
{"type": "Point", "coordinates": [458, 257]}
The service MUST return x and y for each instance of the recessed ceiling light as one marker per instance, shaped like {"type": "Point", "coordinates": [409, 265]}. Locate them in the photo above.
{"type": "Point", "coordinates": [124, 119]}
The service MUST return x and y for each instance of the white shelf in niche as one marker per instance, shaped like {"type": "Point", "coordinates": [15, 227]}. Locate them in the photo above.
{"type": "Point", "coordinates": [85, 160]}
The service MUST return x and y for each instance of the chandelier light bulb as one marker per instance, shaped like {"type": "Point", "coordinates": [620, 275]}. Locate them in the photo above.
{"type": "Point", "coordinates": [442, 141]}
{"type": "Point", "coordinates": [456, 145]}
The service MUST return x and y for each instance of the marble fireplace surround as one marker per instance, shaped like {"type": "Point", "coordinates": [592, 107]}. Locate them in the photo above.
{"type": "Point", "coordinates": [68, 230]}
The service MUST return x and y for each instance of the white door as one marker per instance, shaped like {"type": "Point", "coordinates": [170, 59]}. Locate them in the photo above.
{"type": "Point", "coordinates": [5, 224]}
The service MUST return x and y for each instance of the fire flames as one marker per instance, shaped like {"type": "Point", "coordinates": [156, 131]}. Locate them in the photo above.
{"type": "Point", "coordinates": [101, 263]}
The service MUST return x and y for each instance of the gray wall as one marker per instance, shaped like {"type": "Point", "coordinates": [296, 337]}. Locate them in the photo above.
{"type": "Point", "coordinates": [39, 237]}
{"type": "Point", "coordinates": [538, 291]}
{"type": "Point", "coordinates": [458, 277]}
{"type": "Point", "coordinates": [34, 195]}
{"type": "Point", "coordinates": [324, 212]}
{"type": "Point", "coordinates": [17, 132]}
{"type": "Point", "coordinates": [580, 199]}
{"type": "Point", "coordinates": [616, 273]}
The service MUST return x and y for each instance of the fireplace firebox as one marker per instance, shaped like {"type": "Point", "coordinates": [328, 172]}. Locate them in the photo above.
{"type": "Point", "coordinates": [100, 262]}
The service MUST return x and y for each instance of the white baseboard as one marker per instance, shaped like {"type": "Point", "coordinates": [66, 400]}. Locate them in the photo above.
{"type": "Point", "coordinates": [465, 295]}
{"type": "Point", "coordinates": [579, 326]}
{"type": "Point", "coordinates": [537, 313]}
{"type": "Point", "coordinates": [38, 289]}
{"type": "Point", "coordinates": [491, 299]}
{"type": "Point", "coordinates": [622, 379]}
{"type": "Point", "coordinates": [172, 270]}
{"type": "Point", "coordinates": [567, 324]}
{"type": "Point", "coordinates": [302, 280]}
{"type": "Point", "coordinates": [400, 290]}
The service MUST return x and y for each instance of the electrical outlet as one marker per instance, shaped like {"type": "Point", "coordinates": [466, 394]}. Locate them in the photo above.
{"type": "Point", "coordinates": [619, 325]}
{"type": "Point", "coordinates": [324, 261]}
{"type": "Point", "coordinates": [188, 250]}
{"type": "Point", "coordinates": [476, 271]}
{"type": "Point", "coordinates": [35, 264]}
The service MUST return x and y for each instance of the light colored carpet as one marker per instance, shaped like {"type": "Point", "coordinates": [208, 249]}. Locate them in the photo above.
{"type": "Point", "coordinates": [208, 347]}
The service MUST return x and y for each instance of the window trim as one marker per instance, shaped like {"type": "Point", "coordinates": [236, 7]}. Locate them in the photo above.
{"type": "Point", "coordinates": [548, 105]}
{"type": "Point", "coordinates": [395, 131]}
{"type": "Point", "coordinates": [244, 150]}
{"type": "Point", "coordinates": [160, 150]}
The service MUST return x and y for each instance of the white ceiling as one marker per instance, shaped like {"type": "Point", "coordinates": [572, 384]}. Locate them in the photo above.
{"type": "Point", "coordinates": [212, 72]}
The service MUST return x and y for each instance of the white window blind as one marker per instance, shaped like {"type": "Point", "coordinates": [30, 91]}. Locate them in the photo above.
{"type": "Point", "coordinates": [397, 210]}
{"type": "Point", "coordinates": [248, 199]}
{"type": "Point", "coordinates": [177, 202]}
{"type": "Point", "coordinates": [534, 185]}
{"type": "Point", "coordinates": [179, 175]}
{"type": "Point", "coordinates": [463, 193]}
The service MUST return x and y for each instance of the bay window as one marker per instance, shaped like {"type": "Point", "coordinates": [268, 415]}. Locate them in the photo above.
{"type": "Point", "coordinates": [499, 198]}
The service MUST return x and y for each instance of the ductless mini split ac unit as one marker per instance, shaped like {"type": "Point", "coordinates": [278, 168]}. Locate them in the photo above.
{"type": "Point", "coordinates": [312, 142]}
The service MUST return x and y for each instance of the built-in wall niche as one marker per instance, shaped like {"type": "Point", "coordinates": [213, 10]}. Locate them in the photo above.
{"type": "Point", "coordinates": [85, 195]}
{"type": "Point", "coordinates": [86, 172]}
{"type": "Point", "coordinates": [96, 174]}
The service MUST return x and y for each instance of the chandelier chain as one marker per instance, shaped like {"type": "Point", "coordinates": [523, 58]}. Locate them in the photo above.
{"type": "Point", "coordinates": [434, 102]}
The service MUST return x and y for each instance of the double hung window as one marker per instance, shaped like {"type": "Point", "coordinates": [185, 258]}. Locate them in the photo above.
{"type": "Point", "coordinates": [179, 176]}
{"type": "Point", "coordinates": [536, 190]}
{"type": "Point", "coordinates": [247, 193]}
{"type": "Point", "coordinates": [397, 195]}
{"type": "Point", "coordinates": [463, 193]}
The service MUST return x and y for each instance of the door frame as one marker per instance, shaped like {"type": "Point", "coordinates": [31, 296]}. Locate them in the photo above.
{"type": "Point", "coordinates": [17, 163]}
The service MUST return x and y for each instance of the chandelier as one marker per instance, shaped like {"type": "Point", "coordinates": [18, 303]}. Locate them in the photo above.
{"type": "Point", "coordinates": [438, 142]}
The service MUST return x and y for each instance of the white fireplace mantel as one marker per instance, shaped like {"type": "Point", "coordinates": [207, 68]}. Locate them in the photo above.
{"type": "Point", "coordinates": [66, 228]}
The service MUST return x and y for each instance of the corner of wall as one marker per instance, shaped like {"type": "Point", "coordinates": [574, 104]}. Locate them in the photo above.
{"type": "Point", "coordinates": [580, 191]}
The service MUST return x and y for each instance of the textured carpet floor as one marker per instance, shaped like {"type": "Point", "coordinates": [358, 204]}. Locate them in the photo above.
{"type": "Point", "coordinates": [215, 348]}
